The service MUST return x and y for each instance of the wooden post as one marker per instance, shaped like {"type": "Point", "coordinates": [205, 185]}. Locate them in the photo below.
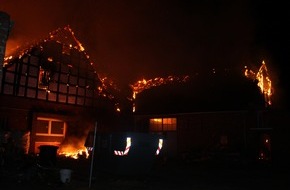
{"type": "Point", "coordinates": [93, 153]}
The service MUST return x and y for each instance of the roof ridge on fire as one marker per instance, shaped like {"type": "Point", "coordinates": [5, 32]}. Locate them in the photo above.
{"type": "Point", "coordinates": [64, 35]}
{"type": "Point", "coordinates": [66, 38]}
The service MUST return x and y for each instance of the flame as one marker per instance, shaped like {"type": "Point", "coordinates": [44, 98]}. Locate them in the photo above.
{"type": "Point", "coordinates": [73, 147]}
{"type": "Point", "coordinates": [73, 152]}
{"type": "Point", "coordinates": [144, 84]}
{"type": "Point", "coordinates": [62, 36]}
{"type": "Point", "coordinates": [107, 86]}
{"type": "Point", "coordinates": [264, 81]}
{"type": "Point", "coordinates": [21, 50]}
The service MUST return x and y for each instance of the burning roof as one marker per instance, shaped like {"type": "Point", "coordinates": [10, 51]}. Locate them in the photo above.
{"type": "Point", "coordinates": [67, 41]}
{"type": "Point", "coordinates": [211, 88]}
{"type": "Point", "coordinates": [217, 91]}
{"type": "Point", "coordinates": [213, 91]}
{"type": "Point", "coordinates": [264, 81]}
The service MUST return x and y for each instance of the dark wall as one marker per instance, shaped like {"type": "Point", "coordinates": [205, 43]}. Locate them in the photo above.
{"type": "Point", "coordinates": [240, 133]}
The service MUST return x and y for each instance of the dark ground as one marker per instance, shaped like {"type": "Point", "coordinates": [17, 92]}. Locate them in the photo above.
{"type": "Point", "coordinates": [173, 174]}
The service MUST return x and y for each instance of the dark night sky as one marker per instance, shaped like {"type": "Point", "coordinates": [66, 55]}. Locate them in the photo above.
{"type": "Point", "coordinates": [129, 40]}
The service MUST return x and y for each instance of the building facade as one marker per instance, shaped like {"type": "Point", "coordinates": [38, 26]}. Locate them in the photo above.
{"type": "Point", "coordinates": [248, 135]}
{"type": "Point", "coordinates": [50, 90]}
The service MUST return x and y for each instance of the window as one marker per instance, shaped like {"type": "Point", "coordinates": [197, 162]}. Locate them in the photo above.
{"type": "Point", "coordinates": [50, 127]}
{"type": "Point", "coordinates": [52, 96]}
{"type": "Point", "coordinates": [32, 82]}
{"type": "Point", "coordinates": [163, 124]}
{"type": "Point", "coordinates": [169, 124]}
{"type": "Point", "coordinates": [43, 79]}
{"type": "Point", "coordinates": [41, 94]}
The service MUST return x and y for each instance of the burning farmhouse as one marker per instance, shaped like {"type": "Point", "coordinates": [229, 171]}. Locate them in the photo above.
{"type": "Point", "coordinates": [52, 95]}
{"type": "Point", "coordinates": [225, 114]}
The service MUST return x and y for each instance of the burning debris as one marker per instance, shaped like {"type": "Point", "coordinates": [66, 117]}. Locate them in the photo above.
{"type": "Point", "coordinates": [73, 148]}
{"type": "Point", "coordinates": [264, 81]}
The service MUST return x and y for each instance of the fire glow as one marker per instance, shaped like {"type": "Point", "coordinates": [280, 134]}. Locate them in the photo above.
{"type": "Point", "coordinates": [70, 151]}
{"type": "Point", "coordinates": [73, 147]}
{"type": "Point", "coordinates": [63, 36]}
{"type": "Point", "coordinates": [264, 81]}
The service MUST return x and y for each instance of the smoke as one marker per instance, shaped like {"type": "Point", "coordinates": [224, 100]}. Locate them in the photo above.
{"type": "Point", "coordinates": [129, 40]}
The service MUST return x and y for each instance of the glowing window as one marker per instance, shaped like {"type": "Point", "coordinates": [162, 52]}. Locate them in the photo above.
{"type": "Point", "coordinates": [43, 79]}
{"type": "Point", "coordinates": [50, 127]}
{"type": "Point", "coordinates": [163, 124]}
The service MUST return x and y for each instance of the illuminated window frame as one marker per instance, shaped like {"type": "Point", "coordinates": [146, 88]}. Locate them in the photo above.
{"type": "Point", "coordinates": [49, 133]}
{"type": "Point", "coordinates": [162, 124]}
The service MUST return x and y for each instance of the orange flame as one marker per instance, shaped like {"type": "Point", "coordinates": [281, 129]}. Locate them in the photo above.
{"type": "Point", "coordinates": [73, 147]}
{"type": "Point", "coordinates": [264, 81]}
{"type": "Point", "coordinates": [73, 152]}
{"type": "Point", "coordinates": [61, 35]}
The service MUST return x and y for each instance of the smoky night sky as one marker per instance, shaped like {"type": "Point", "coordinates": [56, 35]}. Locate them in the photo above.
{"type": "Point", "coordinates": [129, 40]}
